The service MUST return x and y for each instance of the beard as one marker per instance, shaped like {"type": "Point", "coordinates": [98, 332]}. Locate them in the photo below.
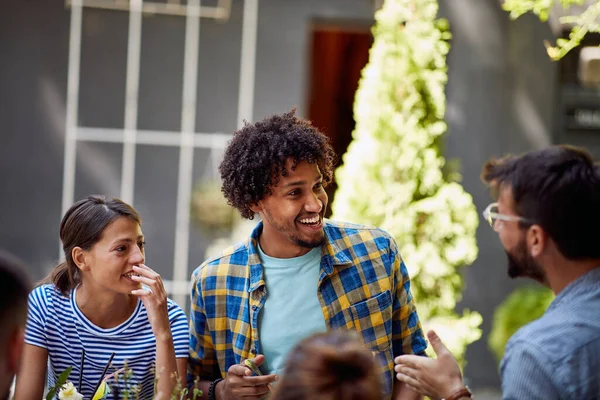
{"type": "Point", "coordinates": [521, 264]}
{"type": "Point", "coordinates": [308, 244]}
{"type": "Point", "coordinates": [290, 231]}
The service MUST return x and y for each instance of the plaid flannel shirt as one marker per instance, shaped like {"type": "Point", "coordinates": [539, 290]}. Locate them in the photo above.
{"type": "Point", "coordinates": [363, 286]}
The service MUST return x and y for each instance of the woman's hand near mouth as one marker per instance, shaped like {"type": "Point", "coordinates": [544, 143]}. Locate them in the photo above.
{"type": "Point", "coordinates": [155, 301]}
{"type": "Point", "coordinates": [154, 298]}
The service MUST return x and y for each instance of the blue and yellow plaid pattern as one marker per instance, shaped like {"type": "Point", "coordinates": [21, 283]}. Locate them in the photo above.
{"type": "Point", "coordinates": [363, 286]}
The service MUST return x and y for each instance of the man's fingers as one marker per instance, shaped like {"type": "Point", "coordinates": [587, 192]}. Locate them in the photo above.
{"type": "Point", "coordinates": [253, 396]}
{"type": "Point", "coordinates": [410, 360]}
{"type": "Point", "coordinates": [405, 370]}
{"type": "Point", "coordinates": [436, 343]}
{"type": "Point", "coordinates": [259, 360]}
{"type": "Point", "coordinates": [409, 381]}
{"type": "Point", "coordinates": [262, 380]}
{"type": "Point", "coordinates": [239, 370]}
{"type": "Point", "coordinates": [250, 391]}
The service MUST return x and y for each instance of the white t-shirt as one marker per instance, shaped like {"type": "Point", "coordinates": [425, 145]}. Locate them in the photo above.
{"type": "Point", "coordinates": [55, 323]}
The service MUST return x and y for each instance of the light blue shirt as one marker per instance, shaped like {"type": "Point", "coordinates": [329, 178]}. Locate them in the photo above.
{"type": "Point", "coordinates": [292, 310]}
{"type": "Point", "coordinates": [558, 355]}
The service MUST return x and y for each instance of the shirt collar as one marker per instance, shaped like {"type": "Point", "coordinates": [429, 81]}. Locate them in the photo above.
{"type": "Point", "coordinates": [256, 271]}
{"type": "Point", "coordinates": [577, 286]}
{"type": "Point", "coordinates": [331, 255]}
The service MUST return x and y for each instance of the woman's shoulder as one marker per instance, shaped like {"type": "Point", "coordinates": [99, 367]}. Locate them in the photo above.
{"type": "Point", "coordinates": [47, 294]}
{"type": "Point", "coordinates": [46, 302]}
{"type": "Point", "coordinates": [47, 288]}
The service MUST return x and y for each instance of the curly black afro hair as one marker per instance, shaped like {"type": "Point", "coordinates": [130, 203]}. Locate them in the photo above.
{"type": "Point", "coordinates": [255, 158]}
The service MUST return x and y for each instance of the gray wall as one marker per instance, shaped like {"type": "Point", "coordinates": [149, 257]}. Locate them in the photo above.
{"type": "Point", "coordinates": [500, 98]}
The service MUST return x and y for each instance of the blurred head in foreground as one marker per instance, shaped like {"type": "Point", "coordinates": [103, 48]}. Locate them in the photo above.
{"type": "Point", "coordinates": [327, 366]}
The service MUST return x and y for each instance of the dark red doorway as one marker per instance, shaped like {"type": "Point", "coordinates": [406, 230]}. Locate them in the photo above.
{"type": "Point", "coordinates": [339, 52]}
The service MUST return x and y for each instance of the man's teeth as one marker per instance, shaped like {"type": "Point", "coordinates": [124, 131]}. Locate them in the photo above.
{"type": "Point", "coordinates": [312, 220]}
{"type": "Point", "coordinates": [131, 274]}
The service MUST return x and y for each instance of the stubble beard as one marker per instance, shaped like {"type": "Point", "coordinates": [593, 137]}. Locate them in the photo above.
{"type": "Point", "coordinates": [308, 244]}
{"type": "Point", "coordinates": [521, 264]}
{"type": "Point", "coordinates": [297, 240]}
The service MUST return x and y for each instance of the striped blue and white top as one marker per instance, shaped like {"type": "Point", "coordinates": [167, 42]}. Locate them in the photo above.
{"type": "Point", "coordinates": [55, 323]}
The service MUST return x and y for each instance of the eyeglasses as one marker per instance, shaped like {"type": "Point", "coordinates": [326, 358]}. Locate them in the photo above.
{"type": "Point", "coordinates": [492, 216]}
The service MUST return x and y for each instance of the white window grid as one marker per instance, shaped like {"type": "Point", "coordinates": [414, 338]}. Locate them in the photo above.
{"type": "Point", "coordinates": [186, 139]}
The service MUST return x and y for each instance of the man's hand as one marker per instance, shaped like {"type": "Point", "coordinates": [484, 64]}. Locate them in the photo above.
{"type": "Point", "coordinates": [241, 384]}
{"type": "Point", "coordinates": [436, 378]}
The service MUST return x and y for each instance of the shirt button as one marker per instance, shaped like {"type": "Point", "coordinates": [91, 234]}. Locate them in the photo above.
{"type": "Point", "coordinates": [254, 308]}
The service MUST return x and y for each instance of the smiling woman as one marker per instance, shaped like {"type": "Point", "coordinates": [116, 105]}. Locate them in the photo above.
{"type": "Point", "coordinates": [103, 307]}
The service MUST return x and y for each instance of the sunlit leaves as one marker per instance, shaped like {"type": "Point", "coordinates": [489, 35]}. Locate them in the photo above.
{"type": "Point", "coordinates": [394, 175]}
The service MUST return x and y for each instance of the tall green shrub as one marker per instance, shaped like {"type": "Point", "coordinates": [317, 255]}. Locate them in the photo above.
{"type": "Point", "coordinates": [394, 173]}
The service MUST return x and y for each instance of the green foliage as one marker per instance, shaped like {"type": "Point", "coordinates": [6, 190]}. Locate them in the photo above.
{"type": "Point", "coordinates": [582, 23]}
{"type": "Point", "coordinates": [394, 175]}
{"type": "Point", "coordinates": [181, 393]}
{"type": "Point", "coordinates": [129, 391]}
{"type": "Point", "coordinates": [210, 210]}
{"type": "Point", "coordinates": [60, 381]}
{"type": "Point", "coordinates": [524, 305]}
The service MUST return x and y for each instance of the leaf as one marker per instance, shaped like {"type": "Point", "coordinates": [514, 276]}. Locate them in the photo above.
{"type": "Point", "coordinates": [184, 393]}
{"type": "Point", "coordinates": [62, 378]}
{"type": "Point", "coordinates": [197, 393]}
{"type": "Point", "coordinates": [582, 22]}
{"type": "Point", "coordinates": [51, 393]}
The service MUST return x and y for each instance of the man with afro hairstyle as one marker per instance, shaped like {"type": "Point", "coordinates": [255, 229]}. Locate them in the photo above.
{"type": "Point", "coordinates": [296, 274]}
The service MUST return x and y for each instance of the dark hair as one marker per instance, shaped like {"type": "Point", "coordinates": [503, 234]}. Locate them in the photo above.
{"type": "Point", "coordinates": [256, 156]}
{"type": "Point", "coordinates": [557, 188]}
{"type": "Point", "coordinates": [82, 226]}
{"type": "Point", "coordinates": [15, 287]}
{"type": "Point", "coordinates": [330, 366]}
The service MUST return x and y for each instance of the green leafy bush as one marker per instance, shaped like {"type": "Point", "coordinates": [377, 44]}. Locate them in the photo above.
{"type": "Point", "coordinates": [524, 305]}
{"type": "Point", "coordinates": [394, 175]}
{"type": "Point", "coordinates": [210, 211]}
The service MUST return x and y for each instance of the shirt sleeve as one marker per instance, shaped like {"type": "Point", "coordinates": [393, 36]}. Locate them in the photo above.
{"type": "Point", "coordinates": [37, 310]}
{"type": "Point", "coordinates": [525, 373]}
{"type": "Point", "coordinates": [407, 335]}
{"type": "Point", "coordinates": [202, 361]}
{"type": "Point", "coordinates": [179, 329]}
